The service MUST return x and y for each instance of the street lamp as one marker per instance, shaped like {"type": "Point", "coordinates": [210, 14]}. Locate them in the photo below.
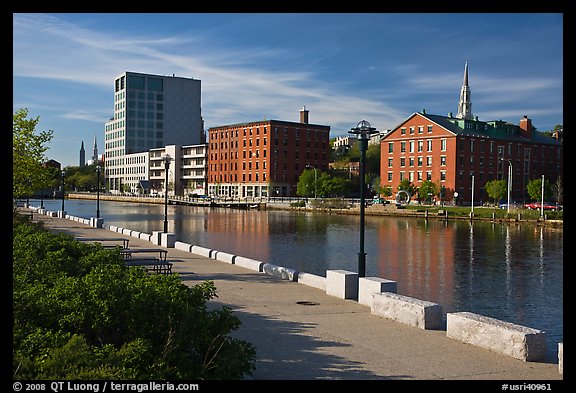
{"type": "Point", "coordinates": [63, 173]}
{"type": "Point", "coordinates": [363, 131]}
{"type": "Point", "coordinates": [509, 181]}
{"type": "Point", "coordinates": [166, 159]}
{"type": "Point", "coordinates": [315, 178]}
{"type": "Point", "coordinates": [98, 192]}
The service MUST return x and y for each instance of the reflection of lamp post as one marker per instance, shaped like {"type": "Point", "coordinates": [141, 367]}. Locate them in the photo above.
{"type": "Point", "coordinates": [63, 173]}
{"type": "Point", "coordinates": [98, 192]}
{"type": "Point", "coordinates": [509, 181]}
{"type": "Point", "coordinates": [166, 159]}
{"type": "Point", "coordinates": [315, 178]}
{"type": "Point", "coordinates": [363, 131]}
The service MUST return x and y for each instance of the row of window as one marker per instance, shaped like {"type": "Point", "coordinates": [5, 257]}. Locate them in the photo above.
{"type": "Point", "coordinates": [314, 134]}
{"type": "Point", "coordinates": [412, 130]}
{"type": "Point", "coordinates": [419, 144]}
{"type": "Point", "coordinates": [420, 176]}
{"type": "Point", "coordinates": [418, 159]}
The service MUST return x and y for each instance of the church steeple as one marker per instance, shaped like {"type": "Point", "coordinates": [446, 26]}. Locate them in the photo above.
{"type": "Point", "coordinates": [465, 105]}
{"type": "Point", "coordinates": [82, 155]}
{"type": "Point", "coordinates": [95, 152]}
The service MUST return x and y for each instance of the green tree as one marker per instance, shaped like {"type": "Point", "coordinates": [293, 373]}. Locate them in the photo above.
{"type": "Point", "coordinates": [28, 148]}
{"type": "Point", "coordinates": [406, 185]}
{"type": "Point", "coordinates": [428, 190]}
{"type": "Point", "coordinates": [534, 188]}
{"type": "Point", "coordinates": [306, 183]}
{"type": "Point", "coordinates": [496, 189]}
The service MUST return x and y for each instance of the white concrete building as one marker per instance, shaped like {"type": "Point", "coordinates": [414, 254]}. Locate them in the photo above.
{"type": "Point", "coordinates": [150, 111]}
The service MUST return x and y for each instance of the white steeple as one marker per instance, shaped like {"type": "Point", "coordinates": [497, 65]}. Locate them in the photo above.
{"type": "Point", "coordinates": [465, 105]}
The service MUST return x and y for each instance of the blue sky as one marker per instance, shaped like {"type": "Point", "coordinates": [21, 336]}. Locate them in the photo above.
{"type": "Point", "coordinates": [344, 67]}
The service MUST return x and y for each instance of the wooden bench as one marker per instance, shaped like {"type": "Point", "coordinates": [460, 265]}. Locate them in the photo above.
{"type": "Point", "coordinates": [102, 240]}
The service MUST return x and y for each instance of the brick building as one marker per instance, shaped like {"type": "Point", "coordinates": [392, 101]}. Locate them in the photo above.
{"type": "Point", "coordinates": [264, 158]}
{"type": "Point", "coordinates": [459, 151]}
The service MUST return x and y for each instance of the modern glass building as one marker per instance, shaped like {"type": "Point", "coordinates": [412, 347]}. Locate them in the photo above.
{"type": "Point", "coordinates": [150, 111]}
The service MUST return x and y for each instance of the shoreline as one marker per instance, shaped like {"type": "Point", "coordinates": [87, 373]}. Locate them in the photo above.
{"type": "Point", "coordinates": [374, 210]}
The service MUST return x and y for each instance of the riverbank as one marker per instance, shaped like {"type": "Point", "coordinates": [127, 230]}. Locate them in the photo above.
{"type": "Point", "coordinates": [427, 212]}
{"type": "Point", "coordinates": [312, 335]}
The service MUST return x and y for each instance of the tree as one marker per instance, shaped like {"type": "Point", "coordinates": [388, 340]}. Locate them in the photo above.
{"type": "Point", "coordinates": [28, 150]}
{"type": "Point", "coordinates": [534, 188]}
{"type": "Point", "coordinates": [427, 190]}
{"type": "Point", "coordinates": [306, 180]}
{"type": "Point", "coordinates": [406, 185]}
{"type": "Point", "coordinates": [496, 189]}
{"type": "Point", "coordinates": [557, 190]}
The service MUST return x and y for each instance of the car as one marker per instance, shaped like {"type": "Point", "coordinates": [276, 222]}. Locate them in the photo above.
{"type": "Point", "coordinates": [545, 206]}
{"type": "Point", "coordinates": [513, 205]}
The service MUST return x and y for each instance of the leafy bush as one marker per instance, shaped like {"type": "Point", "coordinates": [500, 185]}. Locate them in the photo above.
{"type": "Point", "coordinates": [80, 313]}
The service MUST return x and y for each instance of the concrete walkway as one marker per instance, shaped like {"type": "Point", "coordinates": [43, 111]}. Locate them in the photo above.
{"type": "Point", "coordinates": [301, 333]}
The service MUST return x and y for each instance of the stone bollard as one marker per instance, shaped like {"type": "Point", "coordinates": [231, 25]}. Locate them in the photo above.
{"type": "Point", "coordinates": [342, 284]}
{"type": "Point", "coordinates": [368, 286]}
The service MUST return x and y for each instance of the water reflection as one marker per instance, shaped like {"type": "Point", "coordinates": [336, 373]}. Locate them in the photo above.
{"type": "Point", "coordinates": [506, 271]}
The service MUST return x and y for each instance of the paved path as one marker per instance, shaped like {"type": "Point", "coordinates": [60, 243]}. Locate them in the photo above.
{"type": "Point", "coordinates": [333, 338]}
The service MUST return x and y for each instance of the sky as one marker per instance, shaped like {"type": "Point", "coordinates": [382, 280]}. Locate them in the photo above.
{"type": "Point", "coordinates": [343, 67]}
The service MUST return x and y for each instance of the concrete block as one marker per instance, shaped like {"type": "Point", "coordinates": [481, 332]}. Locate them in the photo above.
{"type": "Point", "coordinates": [249, 263]}
{"type": "Point", "coordinates": [411, 311]}
{"type": "Point", "coordinates": [342, 284]}
{"type": "Point", "coordinates": [52, 214]}
{"type": "Point", "coordinates": [312, 280]}
{"type": "Point", "coordinates": [112, 228]}
{"type": "Point", "coordinates": [224, 257]}
{"type": "Point", "coordinates": [205, 252]}
{"type": "Point", "coordinates": [119, 230]}
{"type": "Point", "coordinates": [167, 240]}
{"type": "Point", "coordinates": [135, 234]}
{"type": "Point", "coordinates": [155, 239]}
{"type": "Point", "coordinates": [145, 236]}
{"type": "Point", "coordinates": [367, 286]}
{"type": "Point", "coordinates": [182, 246]}
{"type": "Point", "coordinates": [126, 231]}
{"type": "Point", "coordinates": [561, 358]}
{"type": "Point", "coordinates": [507, 338]}
{"type": "Point", "coordinates": [280, 271]}
{"type": "Point", "coordinates": [61, 214]}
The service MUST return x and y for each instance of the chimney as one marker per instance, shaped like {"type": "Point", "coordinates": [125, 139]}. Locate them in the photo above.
{"type": "Point", "coordinates": [526, 127]}
{"type": "Point", "coordinates": [304, 115]}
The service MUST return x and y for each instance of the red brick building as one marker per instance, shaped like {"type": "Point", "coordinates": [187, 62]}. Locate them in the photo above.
{"type": "Point", "coordinates": [450, 151]}
{"type": "Point", "coordinates": [459, 152]}
{"type": "Point", "coordinates": [264, 158]}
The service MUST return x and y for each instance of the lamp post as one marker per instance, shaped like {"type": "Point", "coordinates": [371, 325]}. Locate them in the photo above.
{"type": "Point", "coordinates": [98, 192]}
{"type": "Point", "coordinates": [315, 178]}
{"type": "Point", "coordinates": [509, 181]}
{"type": "Point", "coordinates": [166, 159]}
{"type": "Point", "coordinates": [63, 174]}
{"type": "Point", "coordinates": [363, 131]}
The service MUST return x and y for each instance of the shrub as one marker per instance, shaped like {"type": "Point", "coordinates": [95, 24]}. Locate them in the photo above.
{"type": "Point", "coordinates": [80, 313]}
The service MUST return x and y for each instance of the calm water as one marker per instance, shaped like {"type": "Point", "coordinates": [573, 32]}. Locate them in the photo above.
{"type": "Point", "coordinates": [505, 271]}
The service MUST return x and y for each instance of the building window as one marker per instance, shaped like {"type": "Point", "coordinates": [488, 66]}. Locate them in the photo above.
{"type": "Point", "coordinates": [419, 176]}
{"type": "Point", "coordinates": [403, 131]}
{"type": "Point", "coordinates": [402, 161]}
{"type": "Point", "coordinates": [390, 175]}
{"type": "Point", "coordinates": [419, 161]}
{"type": "Point", "coordinates": [411, 161]}
{"type": "Point", "coordinates": [442, 160]}
{"type": "Point", "coordinates": [390, 147]}
{"type": "Point", "coordinates": [429, 161]}
{"type": "Point", "coordinates": [390, 162]}
{"type": "Point", "coordinates": [412, 130]}
{"type": "Point", "coordinates": [429, 129]}
{"type": "Point", "coordinates": [429, 175]}
{"type": "Point", "coordinates": [411, 149]}
{"type": "Point", "coordinates": [402, 147]}
{"type": "Point", "coordinates": [442, 144]}
{"type": "Point", "coordinates": [420, 129]}
{"type": "Point", "coordinates": [420, 146]}
{"type": "Point", "coordinates": [442, 175]}
{"type": "Point", "coordinates": [429, 145]}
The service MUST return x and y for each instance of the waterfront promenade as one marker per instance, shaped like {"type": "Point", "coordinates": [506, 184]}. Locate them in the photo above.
{"type": "Point", "coordinates": [301, 333]}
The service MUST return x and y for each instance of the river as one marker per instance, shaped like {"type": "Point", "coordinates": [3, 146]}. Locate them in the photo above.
{"type": "Point", "coordinates": [508, 271]}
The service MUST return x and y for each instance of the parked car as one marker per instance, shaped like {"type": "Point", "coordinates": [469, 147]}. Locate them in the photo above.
{"type": "Point", "coordinates": [513, 205]}
{"type": "Point", "coordinates": [545, 206]}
